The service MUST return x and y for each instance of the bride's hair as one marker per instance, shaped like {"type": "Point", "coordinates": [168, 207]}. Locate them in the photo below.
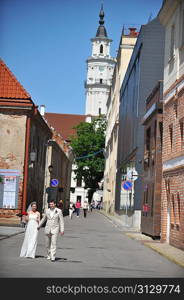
{"type": "Point", "coordinates": [33, 203]}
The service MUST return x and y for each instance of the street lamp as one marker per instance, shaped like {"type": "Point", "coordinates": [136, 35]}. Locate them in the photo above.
{"type": "Point", "coordinates": [50, 168]}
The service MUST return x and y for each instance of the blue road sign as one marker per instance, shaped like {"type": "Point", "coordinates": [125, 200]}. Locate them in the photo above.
{"type": "Point", "coordinates": [54, 182]}
{"type": "Point", "coordinates": [127, 185]}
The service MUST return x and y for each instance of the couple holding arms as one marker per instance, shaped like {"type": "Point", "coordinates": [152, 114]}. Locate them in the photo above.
{"type": "Point", "coordinates": [54, 225]}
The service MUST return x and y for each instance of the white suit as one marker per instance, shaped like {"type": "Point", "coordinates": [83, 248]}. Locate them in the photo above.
{"type": "Point", "coordinates": [54, 225]}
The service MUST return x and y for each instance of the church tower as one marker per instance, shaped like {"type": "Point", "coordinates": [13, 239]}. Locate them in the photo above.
{"type": "Point", "coordinates": [100, 66]}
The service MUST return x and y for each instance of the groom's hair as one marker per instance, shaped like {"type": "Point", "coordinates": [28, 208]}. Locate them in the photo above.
{"type": "Point", "coordinates": [52, 201]}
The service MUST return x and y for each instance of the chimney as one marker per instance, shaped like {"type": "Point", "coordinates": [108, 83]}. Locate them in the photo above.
{"type": "Point", "coordinates": [42, 110]}
{"type": "Point", "coordinates": [133, 31]}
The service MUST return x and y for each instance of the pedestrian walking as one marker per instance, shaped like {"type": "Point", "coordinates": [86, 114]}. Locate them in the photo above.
{"type": "Point", "coordinates": [78, 206]}
{"type": "Point", "coordinates": [85, 208]}
{"type": "Point", "coordinates": [71, 209]}
{"type": "Point", "coordinates": [54, 225]}
{"type": "Point", "coordinates": [31, 234]}
{"type": "Point", "coordinates": [60, 204]}
{"type": "Point", "coordinates": [92, 205]}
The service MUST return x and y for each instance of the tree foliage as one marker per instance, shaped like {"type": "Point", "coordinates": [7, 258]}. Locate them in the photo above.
{"type": "Point", "coordinates": [88, 145]}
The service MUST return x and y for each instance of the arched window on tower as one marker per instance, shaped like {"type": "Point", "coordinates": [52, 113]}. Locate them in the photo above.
{"type": "Point", "coordinates": [101, 49]}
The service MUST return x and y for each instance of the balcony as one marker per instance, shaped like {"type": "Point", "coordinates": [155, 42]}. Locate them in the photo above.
{"type": "Point", "coordinates": [97, 83]}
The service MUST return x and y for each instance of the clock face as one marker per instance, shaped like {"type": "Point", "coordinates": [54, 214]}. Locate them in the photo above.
{"type": "Point", "coordinates": [101, 68]}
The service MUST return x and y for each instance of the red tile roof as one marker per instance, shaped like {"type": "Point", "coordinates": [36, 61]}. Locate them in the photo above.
{"type": "Point", "coordinates": [10, 87]}
{"type": "Point", "coordinates": [64, 123]}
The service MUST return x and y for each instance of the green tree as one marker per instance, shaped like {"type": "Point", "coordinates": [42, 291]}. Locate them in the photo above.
{"type": "Point", "coordinates": [88, 145]}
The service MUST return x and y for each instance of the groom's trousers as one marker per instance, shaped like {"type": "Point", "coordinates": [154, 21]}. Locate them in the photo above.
{"type": "Point", "coordinates": [51, 240]}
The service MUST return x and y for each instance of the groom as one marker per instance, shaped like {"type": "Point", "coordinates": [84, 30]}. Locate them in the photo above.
{"type": "Point", "coordinates": [54, 225]}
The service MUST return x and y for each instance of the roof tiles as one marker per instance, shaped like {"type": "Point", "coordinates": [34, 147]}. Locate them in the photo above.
{"type": "Point", "coordinates": [64, 123]}
{"type": "Point", "coordinates": [10, 87]}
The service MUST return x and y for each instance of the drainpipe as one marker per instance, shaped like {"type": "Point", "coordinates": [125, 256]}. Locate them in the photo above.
{"type": "Point", "coordinates": [26, 162]}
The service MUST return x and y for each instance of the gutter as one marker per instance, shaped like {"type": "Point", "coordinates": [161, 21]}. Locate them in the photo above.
{"type": "Point", "coordinates": [26, 161]}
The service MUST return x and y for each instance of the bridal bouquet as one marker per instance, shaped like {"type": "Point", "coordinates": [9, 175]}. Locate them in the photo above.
{"type": "Point", "coordinates": [24, 213]}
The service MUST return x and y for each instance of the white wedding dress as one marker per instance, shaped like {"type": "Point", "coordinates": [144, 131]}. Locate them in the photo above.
{"type": "Point", "coordinates": [30, 239]}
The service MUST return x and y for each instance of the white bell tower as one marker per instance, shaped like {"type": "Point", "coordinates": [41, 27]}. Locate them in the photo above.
{"type": "Point", "coordinates": [100, 66]}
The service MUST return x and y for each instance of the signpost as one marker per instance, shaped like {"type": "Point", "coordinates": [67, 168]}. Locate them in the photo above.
{"type": "Point", "coordinates": [127, 186]}
{"type": "Point", "coordinates": [52, 190]}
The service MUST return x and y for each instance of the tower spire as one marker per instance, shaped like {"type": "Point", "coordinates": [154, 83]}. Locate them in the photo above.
{"type": "Point", "coordinates": [101, 15]}
{"type": "Point", "coordinates": [101, 31]}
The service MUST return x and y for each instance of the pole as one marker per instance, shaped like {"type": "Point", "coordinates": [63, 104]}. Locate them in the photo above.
{"type": "Point", "coordinates": [127, 210]}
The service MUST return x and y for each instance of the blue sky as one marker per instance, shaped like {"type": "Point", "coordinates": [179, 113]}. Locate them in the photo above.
{"type": "Point", "coordinates": [45, 43]}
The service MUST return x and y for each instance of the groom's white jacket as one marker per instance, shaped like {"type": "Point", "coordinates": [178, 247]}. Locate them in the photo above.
{"type": "Point", "coordinates": [54, 224]}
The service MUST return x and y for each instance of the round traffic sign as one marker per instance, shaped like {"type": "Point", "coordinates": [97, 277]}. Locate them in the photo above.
{"type": "Point", "coordinates": [54, 182]}
{"type": "Point", "coordinates": [127, 185]}
{"type": "Point", "coordinates": [132, 175]}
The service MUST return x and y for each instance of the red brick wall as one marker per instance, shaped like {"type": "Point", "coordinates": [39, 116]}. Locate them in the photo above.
{"type": "Point", "coordinates": [174, 197]}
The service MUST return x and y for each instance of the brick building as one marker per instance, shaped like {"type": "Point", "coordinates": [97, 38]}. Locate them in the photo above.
{"type": "Point", "coordinates": [172, 222]}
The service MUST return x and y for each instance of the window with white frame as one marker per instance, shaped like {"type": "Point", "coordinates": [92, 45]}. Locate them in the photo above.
{"type": "Point", "coordinates": [172, 41]}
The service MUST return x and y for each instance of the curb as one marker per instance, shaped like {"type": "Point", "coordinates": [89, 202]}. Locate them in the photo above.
{"type": "Point", "coordinates": [117, 222]}
{"type": "Point", "coordinates": [143, 239]}
{"type": "Point", "coordinates": [148, 241]}
{"type": "Point", "coordinates": [155, 247]}
{"type": "Point", "coordinates": [170, 257]}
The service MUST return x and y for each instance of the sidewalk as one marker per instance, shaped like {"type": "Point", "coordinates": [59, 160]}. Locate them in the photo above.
{"type": "Point", "coordinates": [174, 254]}
{"type": "Point", "coordinates": [8, 231]}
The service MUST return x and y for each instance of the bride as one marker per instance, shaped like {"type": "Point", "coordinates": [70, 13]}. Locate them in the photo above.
{"type": "Point", "coordinates": [31, 234]}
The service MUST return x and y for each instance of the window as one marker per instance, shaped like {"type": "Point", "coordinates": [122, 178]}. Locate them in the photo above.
{"type": "Point", "coordinates": [101, 81]}
{"type": "Point", "coordinates": [172, 42]}
{"type": "Point", "coordinates": [99, 111]}
{"type": "Point", "coordinates": [79, 182]}
{"type": "Point", "coordinates": [152, 198]}
{"type": "Point", "coordinates": [148, 136]}
{"type": "Point", "coordinates": [101, 49]}
{"type": "Point", "coordinates": [155, 133]}
{"type": "Point", "coordinates": [79, 198]}
{"type": "Point", "coordinates": [145, 203]}
{"type": "Point", "coordinates": [178, 211]}
{"type": "Point", "coordinates": [182, 132]}
{"type": "Point", "coordinates": [161, 133]}
{"type": "Point", "coordinates": [171, 135]}
{"type": "Point", "coordinates": [172, 210]}
{"type": "Point", "coordinates": [148, 144]}
{"type": "Point", "coordinates": [167, 186]}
